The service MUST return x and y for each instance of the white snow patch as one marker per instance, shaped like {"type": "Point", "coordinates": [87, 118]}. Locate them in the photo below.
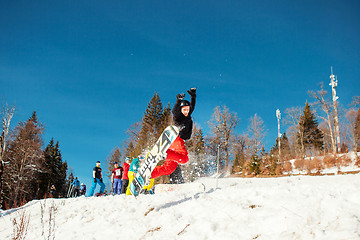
{"type": "Point", "coordinates": [301, 207]}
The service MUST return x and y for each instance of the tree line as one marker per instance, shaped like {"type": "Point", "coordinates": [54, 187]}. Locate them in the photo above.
{"type": "Point", "coordinates": [27, 171]}
{"type": "Point", "coordinates": [244, 153]}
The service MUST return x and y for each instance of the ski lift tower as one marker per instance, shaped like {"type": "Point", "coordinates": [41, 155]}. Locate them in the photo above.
{"type": "Point", "coordinates": [278, 115]}
{"type": "Point", "coordinates": [333, 83]}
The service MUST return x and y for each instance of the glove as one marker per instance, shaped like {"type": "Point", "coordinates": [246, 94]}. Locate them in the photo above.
{"type": "Point", "coordinates": [94, 180]}
{"type": "Point", "coordinates": [180, 96]}
{"type": "Point", "coordinates": [192, 92]}
{"type": "Point", "coordinates": [101, 180]}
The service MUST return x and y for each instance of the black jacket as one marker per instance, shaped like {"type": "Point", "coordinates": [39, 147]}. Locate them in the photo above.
{"type": "Point", "coordinates": [97, 172]}
{"type": "Point", "coordinates": [185, 124]}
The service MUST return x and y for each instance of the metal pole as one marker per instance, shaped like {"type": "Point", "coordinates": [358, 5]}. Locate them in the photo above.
{"type": "Point", "coordinates": [333, 85]}
{"type": "Point", "coordinates": [218, 163]}
{"type": "Point", "coordinates": [218, 160]}
{"type": "Point", "coordinates": [278, 115]}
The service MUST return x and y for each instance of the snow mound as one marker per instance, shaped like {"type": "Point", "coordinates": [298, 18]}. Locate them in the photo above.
{"type": "Point", "coordinates": [301, 207]}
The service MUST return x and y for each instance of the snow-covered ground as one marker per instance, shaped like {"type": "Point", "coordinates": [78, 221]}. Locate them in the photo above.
{"type": "Point", "coordinates": [299, 207]}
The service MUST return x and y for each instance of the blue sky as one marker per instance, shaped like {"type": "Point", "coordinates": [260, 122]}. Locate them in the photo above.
{"type": "Point", "coordinates": [89, 68]}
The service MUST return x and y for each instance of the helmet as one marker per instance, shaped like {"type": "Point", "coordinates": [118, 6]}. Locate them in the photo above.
{"type": "Point", "coordinates": [184, 103]}
{"type": "Point", "coordinates": [115, 163]}
{"type": "Point", "coordinates": [127, 159]}
{"type": "Point", "coordinates": [82, 184]}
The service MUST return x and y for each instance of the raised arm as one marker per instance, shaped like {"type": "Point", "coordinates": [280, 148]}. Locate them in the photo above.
{"type": "Point", "coordinates": [192, 93]}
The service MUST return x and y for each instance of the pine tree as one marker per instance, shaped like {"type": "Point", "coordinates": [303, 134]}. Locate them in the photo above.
{"type": "Point", "coordinates": [166, 118]}
{"type": "Point", "coordinates": [254, 164]}
{"type": "Point", "coordinates": [55, 169]}
{"type": "Point", "coordinates": [61, 173]}
{"type": "Point", "coordinates": [24, 157]}
{"type": "Point", "coordinates": [310, 136]}
{"type": "Point", "coordinates": [155, 120]}
{"type": "Point", "coordinates": [196, 144]}
{"type": "Point", "coordinates": [285, 148]}
{"type": "Point", "coordinates": [274, 160]}
{"type": "Point", "coordinates": [152, 120]}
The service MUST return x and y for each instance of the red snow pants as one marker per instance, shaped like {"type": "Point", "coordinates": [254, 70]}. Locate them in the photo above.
{"type": "Point", "coordinates": [175, 154]}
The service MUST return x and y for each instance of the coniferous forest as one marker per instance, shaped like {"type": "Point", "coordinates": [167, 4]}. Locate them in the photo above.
{"type": "Point", "coordinates": [27, 170]}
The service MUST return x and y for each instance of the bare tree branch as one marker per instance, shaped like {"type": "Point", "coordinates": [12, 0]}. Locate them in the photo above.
{"type": "Point", "coordinates": [222, 125]}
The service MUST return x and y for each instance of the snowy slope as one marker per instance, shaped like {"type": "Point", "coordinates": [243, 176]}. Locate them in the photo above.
{"type": "Point", "coordinates": [301, 207]}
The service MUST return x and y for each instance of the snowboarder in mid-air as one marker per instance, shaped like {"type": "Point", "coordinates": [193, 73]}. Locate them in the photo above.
{"type": "Point", "coordinates": [177, 152]}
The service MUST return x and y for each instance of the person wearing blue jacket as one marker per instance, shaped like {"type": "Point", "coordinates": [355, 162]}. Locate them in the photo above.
{"type": "Point", "coordinates": [97, 175]}
{"type": "Point", "coordinates": [76, 184]}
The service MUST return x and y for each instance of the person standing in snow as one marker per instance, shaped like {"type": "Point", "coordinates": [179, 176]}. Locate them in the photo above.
{"type": "Point", "coordinates": [116, 178]}
{"type": "Point", "coordinates": [97, 175]}
{"type": "Point", "coordinates": [52, 190]}
{"type": "Point", "coordinates": [125, 177]}
{"type": "Point", "coordinates": [82, 189]}
{"type": "Point", "coordinates": [133, 169]}
{"type": "Point", "coordinates": [76, 184]}
{"type": "Point", "coordinates": [177, 153]}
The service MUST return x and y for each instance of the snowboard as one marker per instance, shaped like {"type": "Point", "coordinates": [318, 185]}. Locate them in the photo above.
{"type": "Point", "coordinates": [156, 154]}
{"type": "Point", "coordinates": [100, 194]}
